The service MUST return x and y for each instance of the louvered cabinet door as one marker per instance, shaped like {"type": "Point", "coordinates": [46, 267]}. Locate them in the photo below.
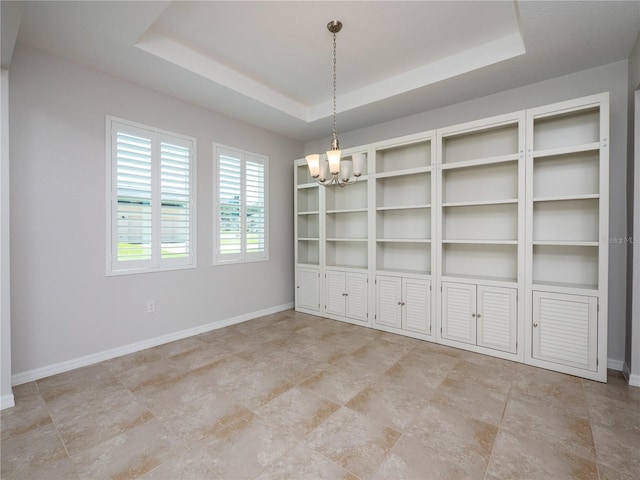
{"type": "Point", "coordinates": [496, 317]}
{"type": "Point", "coordinates": [335, 293]}
{"type": "Point", "coordinates": [416, 300]}
{"type": "Point", "coordinates": [459, 312]}
{"type": "Point", "coordinates": [356, 296]}
{"type": "Point", "coordinates": [565, 329]}
{"type": "Point", "coordinates": [308, 289]}
{"type": "Point", "coordinates": [388, 301]}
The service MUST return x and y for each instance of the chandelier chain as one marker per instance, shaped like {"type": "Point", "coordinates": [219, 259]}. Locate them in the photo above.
{"type": "Point", "coordinates": [334, 84]}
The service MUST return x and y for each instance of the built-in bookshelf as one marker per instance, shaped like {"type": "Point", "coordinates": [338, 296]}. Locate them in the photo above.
{"type": "Point", "coordinates": [567, 230]}
{"type": "Point", "coordinates": [489, 236]}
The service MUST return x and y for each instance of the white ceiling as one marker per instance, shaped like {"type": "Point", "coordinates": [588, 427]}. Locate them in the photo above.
{"type": "Point", "coordinates": [269, 63]}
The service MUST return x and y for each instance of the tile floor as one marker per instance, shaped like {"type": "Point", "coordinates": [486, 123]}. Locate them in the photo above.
{"type": "Point", "coordinates": [301, 397]}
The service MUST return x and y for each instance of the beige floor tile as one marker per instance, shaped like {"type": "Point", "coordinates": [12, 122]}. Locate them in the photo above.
{"type": "Point", "coordinates": [97, 421]}
{"type": "Point", "coordinates": [184, 464]}
{"type": "Point", "coordinates": [615, 414]}
{"type": "Point", "coordinates": [555, 390]}
{"type": "Point", "coordinates": [616, 388]}
{"type": "Point", "coordinates": [444, 429]}
{"type": "Point", "coordinates": [243, 446]}
{"type": "Point", "coordinates": [36, 449]}
{"type": "Point", "coordinates": [441, 349]}
{"type": "Point", "coordinates": [338, 384]}
{"type": "Point", "coordinates": [373, 358]}
{"type": "Point", "coordinates": [419, 369]}
{"type": "Point", "coordinates": [29, 413]}
{"type": "Point", "coordinates": [128, 455]}
{"type": "Point", "coordinates": [61, 469]}
{"type": "Point", "coordinates": [390, 402]}
{"type": "Point", "coordinates": [497, 376]}
{"type": "Point", "coordinates": [303, 463]}
{"type": "Point", "coordinates": [559, 429]}
{"type": "Point", "coordinates": [297, 411]}
{"type": "Point", "coordinates": [607, 473]}
{"type": "Point", "coordinates": [79, 383]}
{"type": "Point", "coordinates": [518, 456]}
{"type": "Point", "coordinates": [144, 375]}
{"type": "Point", "coordinates": [255, 388]}
{"type": "Point", "coordinates": [198, 419]}
{"type": "Point", "coordinates": [618, 450]}
{"type": "Point", "coordinates": [356, 442]}
{"type": "Point", "coordinates": [477, 401]}
{"type": "Point", "coordinates": [317, 349]}
{"type": "Point", "coordinates": [262, 398]}
{"type": "Point", "coordinates": [411, 460]}
{"type": "Point", "coordinates": [277, 360]}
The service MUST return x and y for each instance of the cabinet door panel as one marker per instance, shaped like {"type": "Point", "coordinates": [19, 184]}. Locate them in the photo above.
{"type": "Point", "coordinates": [308, 289]}
{"type": "Point", "coordinates": [458, 312]}
{"type": "Point", "coordinates": [417, 305]}
{"type": "Point", "coordinates": [388, 298]}
{"type": "Point", "coordinates": [497, 314]}
{"type": "Point", "coordinates": [335, 293]}
{"type": "Point", "coordinates": [356, 299]}
{"type": "Point", "coordinates": [565, 329]}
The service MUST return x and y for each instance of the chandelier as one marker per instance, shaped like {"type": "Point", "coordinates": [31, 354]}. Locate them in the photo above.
{"type": "Point", "coordinates": [333, 170]}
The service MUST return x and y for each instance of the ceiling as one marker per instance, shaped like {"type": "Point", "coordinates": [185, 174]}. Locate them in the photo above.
{"type": "Point", "coordinates": [270, 63]}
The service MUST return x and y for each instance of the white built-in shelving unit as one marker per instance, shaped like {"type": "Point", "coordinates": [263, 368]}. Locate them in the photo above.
{"type": "Point", "coordinates": [488, 236]}
{"type": "Point", "coordinates": [480, 234]}
{"type": "Point", "coordinates": [404, 222]}
{"type": "Point", "coordinates": [567, 236]}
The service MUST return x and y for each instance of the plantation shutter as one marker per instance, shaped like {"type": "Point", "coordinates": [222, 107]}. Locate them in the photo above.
{"type": "Point", "coordinates": [152, 208]}
{"type": "Point", "coordinates": [230, 207]}
{"type": "Point", "coordinates": [133, 202]}
{"type": "Point", "coordinates": [175, 192]}
{"type": "Point", "coordinates": [256, 209]}
{"type": "Point", "coordinates": [241, 209]}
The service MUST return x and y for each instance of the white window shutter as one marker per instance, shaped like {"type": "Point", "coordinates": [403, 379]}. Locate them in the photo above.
{"type": "Point", "coordinates": [175, 191]}
{"type": "Point", "coordinates": [151, 189]}
{"type": "Point", "coordinates": [133, 196]}
{"type": "Point", "coordinates": [255, 213]}
{"type": "Point", "coordinates": [242, 206]}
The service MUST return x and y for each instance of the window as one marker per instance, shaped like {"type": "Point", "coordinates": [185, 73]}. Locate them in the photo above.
{"type": "Point", "coordinates": [150, 188]}
{"type": "Point", "coordinates": [241, 206]}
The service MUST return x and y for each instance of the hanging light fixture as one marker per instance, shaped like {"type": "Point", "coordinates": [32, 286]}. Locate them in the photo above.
{"type": "Point", "coordinates": [333, 170]}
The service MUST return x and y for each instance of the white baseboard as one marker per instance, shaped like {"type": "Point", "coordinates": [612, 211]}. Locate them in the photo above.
{"type": "Point", "coordinates": [42, 372]}
{"type": "Point", "coordinates": [613, 364]}
{"type": "Point", "coordinates": [632, 379]}
{"type": "Point", "coordinates": [7, 401]}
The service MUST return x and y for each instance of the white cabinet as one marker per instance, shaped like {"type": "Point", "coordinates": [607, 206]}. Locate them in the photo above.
{"type": "Point", "coordinates": [480, 315]}
{"type": "Point", "coordinates": [308, 289]}
{"type": "Point", "coordinates": [346, 294]}
{"type": "Point", "coordinates": [565, 330]}
{"type": "Point", "coordinates": [403, 303]}
{"type": "Point", "coordinates": [567, 214]}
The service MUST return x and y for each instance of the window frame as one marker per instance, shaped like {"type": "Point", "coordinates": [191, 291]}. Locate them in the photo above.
{"type": "Point", "coordinates": [156, 263]}
{"type": "Point", "coordinates": [244, 256]}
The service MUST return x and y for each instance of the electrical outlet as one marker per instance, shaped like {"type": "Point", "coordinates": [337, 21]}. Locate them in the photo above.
{"type": "Point", "coordinates": [151, 306]}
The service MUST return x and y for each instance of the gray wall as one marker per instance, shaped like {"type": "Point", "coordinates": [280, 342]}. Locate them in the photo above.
{"type": "Point", "coordinates": [611, 78]}
{"type": "Point", "coordinates": [63, 305]}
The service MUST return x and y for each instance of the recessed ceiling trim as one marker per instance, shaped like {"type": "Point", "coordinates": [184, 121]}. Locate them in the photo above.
{"type": "Point", "coordinates": [496, 51]}
{"type": "Point", "coordinates": [187, 58]}
{"type": "Point", "coordinates": [472, 59]}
